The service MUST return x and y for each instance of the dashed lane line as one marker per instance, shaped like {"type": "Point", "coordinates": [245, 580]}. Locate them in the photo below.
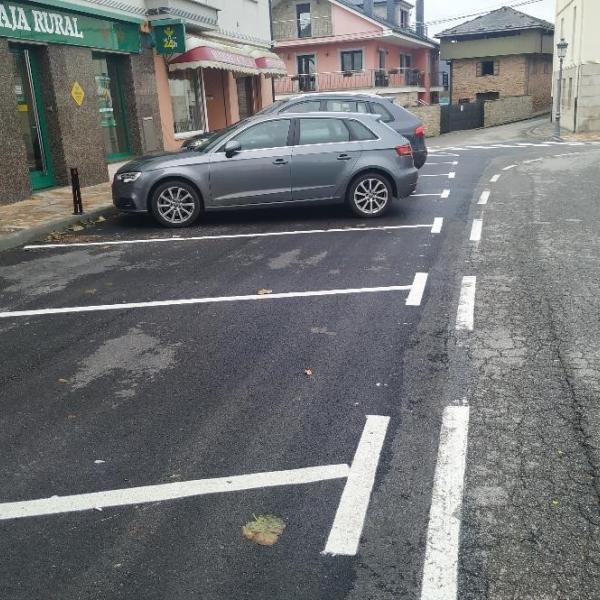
{"type": "Point", "coordinates": [476, 230]}
{"type": "Point", "coordinates": [438, 222]}
{"type": "Point", "coordinates": [348, 524]}
{"type": "Point", "coordinates": [495, 178]}
{"type": "Point", "coordinates": [509, 167]}
{"type": "Point", "coordinates": [440, 572]}
{"type": "Point", "coordinates": [415, 293]}
{"type": "Point", "coordinates": [202, 238]}
{"type": "Point", "coordinates": [465, 315]}
{"type": "Point", "coordinates": [485, 196]}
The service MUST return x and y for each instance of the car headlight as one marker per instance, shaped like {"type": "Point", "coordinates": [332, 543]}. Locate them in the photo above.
{"type": "Point", "coordinates": [129, 177]}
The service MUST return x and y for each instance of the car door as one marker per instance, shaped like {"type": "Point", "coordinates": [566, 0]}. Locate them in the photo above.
{"type": "Point", "coordinates": [260, 173]}
{"type": "Point", "coordinates": [323, 159]}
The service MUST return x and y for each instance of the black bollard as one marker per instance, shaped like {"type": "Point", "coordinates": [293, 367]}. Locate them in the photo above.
{"type": "Point", "coordinates": [76, 187]}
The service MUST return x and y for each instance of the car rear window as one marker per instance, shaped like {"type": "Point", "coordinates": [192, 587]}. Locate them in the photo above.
{"type": "Point", "coordinates": [360, 132]}
{"type": "Point", "coordinates": [323, 131]}
{"type": "Point", "coordinates": [380, 109]}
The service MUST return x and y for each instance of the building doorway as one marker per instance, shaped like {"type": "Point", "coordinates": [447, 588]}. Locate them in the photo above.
{"type": "Point", "coordinates": [246, 93]}
{"type": "Point", "coordinates": [32, 117]}
{"type": "Point", "coordinates": [109, 95]}
{"type": "Point", "coordinates": [306, 72]}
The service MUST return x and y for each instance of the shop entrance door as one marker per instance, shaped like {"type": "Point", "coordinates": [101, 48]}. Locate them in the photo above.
{"type": "Point", "coordinates": [111, 104]}
{"type": "Point", "coordinates": [245, 90]}
{"type": "Point", "coordinates": [31, 116]}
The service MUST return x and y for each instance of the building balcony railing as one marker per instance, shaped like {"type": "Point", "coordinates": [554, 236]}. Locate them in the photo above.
{"type": "Point", "coordinates": [298, 29]}
{"type": "Point", "coordinates": [349, 80]}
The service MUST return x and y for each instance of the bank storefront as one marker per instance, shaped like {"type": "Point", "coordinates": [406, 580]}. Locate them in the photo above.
{"type": "Point", "coordinates": [77, 90]}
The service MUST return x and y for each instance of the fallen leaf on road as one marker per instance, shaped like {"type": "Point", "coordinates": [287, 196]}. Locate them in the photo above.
{"type": "Point", "coordinates": [309, 372]}
{"type": "Point", "coordinates": [264, 292]}
{"type": "Point", "coordinates": [264, 530]}
{"type": "Point", "coordinates": [62, 381]}
{"type": "Point", "coordinates": [100, 219]}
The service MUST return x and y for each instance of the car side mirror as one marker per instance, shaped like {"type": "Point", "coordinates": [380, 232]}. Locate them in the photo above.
{"type": "Point", "coordinates": [232, 148]}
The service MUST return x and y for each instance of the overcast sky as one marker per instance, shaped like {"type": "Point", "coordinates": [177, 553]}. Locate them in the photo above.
{"type": "Point", "coordinates": [439, 9]}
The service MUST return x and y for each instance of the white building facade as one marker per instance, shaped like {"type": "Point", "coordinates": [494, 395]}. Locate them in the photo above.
{"type": "Point", "coordinates": [577, 23]}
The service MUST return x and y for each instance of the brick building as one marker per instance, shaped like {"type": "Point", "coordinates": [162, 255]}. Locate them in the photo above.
{"type": "Point", "coordinates": [504, 53]}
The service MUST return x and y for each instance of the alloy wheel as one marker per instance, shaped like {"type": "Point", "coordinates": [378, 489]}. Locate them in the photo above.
{"type": "Point", "coordinates": [176, 205]}
{"type": "Point", "coordinates": [371, 196]}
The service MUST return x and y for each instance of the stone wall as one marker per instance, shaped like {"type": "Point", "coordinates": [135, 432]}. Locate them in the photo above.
{"type": "Point", "coordinates": [75, 131]}
{"type": "Point", "coordinates": [539, 83]}
{"type": "Point", "coordinates": [588, 101]}
{"type": "Point", "coordinates": [141, 105]}
{"type": "Point", "coordinates": [507, 110]}
{"type": "Point", "coordinates": [14, 175]}
{"type": "Point", "coordinates": [430, 115]}
{"type": "Point", "coordinates": [510, 81]}
{"type": "Point", "coordinates": [285, 23]}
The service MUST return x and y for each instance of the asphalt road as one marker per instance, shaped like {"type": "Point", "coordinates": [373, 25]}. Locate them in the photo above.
{"type": "Point", "coordinates": [140, 396]}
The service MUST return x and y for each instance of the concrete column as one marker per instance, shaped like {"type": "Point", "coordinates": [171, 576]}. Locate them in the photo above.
{"type": "Point", "coordinates": [141, 102]}
{"type": "Point", "coordinates": [231, 98]}
{"type": "Point", "coordinates": [75, 132]}
{"type": "Point", "coordinates": [14, 174]}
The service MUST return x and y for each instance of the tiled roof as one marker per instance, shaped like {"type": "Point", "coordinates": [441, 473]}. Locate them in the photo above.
{"type": "Point", "coordinates": [503, 19]}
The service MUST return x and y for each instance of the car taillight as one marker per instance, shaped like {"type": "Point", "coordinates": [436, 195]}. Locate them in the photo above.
{"type": "Point", "coordinates": [404, 150]}
{"type": "Point", "coordinates": [420, 131]}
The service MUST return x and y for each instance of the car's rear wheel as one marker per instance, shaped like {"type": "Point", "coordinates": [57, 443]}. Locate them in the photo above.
{"type": "Point", "coordinates": [175, 204]}
{"type": "Point", "coordinates": [370, 195]}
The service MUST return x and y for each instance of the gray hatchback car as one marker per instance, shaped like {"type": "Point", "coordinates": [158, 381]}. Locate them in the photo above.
{"type": "Point", "coordinates": [274, 160]}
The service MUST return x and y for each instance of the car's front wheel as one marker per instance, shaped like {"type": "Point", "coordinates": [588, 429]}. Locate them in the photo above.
{"type": "Point", "coordinates": [370, 195]}
{"type": "Point", "coordinates": [175, 204]}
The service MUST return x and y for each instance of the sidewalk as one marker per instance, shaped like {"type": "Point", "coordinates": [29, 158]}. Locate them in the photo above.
{"type": "Point", "coordinates": [51, 211]}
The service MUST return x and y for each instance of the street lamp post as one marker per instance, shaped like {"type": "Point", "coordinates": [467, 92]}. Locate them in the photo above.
{"type": "Point", "coordinates": [561, 49]}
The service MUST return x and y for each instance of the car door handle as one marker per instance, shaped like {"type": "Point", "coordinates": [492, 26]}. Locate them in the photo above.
{"type": "Point", "coordinates": [280, 161]}
{"type": "Point", "coordinates": [344, 157]}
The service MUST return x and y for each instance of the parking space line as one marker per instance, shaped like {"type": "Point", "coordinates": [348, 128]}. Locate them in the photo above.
{"type": "Point", "coordinates": [476, 230]}
{"type": "Point", "coordinates": [485, 196]}
{"type": "Point", "coordinates": [495, 178]}
{"type": "Point", "coordinates": [448, 175]}
{"type": "Point", "coordinates": [438, 222]}
{"type": "Point", "coordinates": [445, 194]}
{"type": "Point", "coordinates": [169, 491]}
{"type": "Point", "coordinates": [210, 300]}
{"type": "Point", "coordinates": [448, 162]}
{"type": "Point", "coordinates": [348, 524]}
{"type": "Point", "coordinates": [225, 236]}
{"type": "Point", "coordinates": [465, 315]}
{"type": "Point", "coordinates": [417, 289]}
{"type": "Point", "coordinates": [509, 167]}
{"type": "Point", "coordinates": [440, 572]}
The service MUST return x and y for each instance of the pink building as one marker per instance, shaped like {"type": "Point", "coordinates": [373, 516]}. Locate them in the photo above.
{"type": "Point", "coordinates": [355, 45]}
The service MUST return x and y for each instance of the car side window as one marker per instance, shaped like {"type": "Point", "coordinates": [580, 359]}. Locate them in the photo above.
{"type": "Point", "coordinates": [340, 106]}
{"type": "Point", "coordinates": [360, 132]}
{"type": "Point", "coordinates": [270, 134]}
{"type": "Point", "coordinates": [380, 109]}
{"type": "Point", "coordinates": [302, 107]}
{"type": "Point", "coordinates": [323, 131]}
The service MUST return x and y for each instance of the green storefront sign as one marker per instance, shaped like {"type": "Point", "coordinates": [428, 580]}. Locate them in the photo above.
{"type": "Point", "coordinates": [40, 24]}
{"type": "Point", "coordinates": [169, 36]}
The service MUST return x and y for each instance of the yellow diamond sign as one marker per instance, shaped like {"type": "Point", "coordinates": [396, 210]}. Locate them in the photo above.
{"type": "Point", "coordinates": [77, 93]}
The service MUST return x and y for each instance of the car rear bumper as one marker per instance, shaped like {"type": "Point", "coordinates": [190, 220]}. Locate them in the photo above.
{"type": "Point", "coordinates": [420, 157]}
{"type": "Point", "coordinates": [406, 183]}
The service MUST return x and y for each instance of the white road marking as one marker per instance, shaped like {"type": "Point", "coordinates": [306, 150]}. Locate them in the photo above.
{"type": "Point", "coordinates": [348, 524]}
{"type": "Point", "coordinates": [485, 196]}
{"type": "Point", "coordinates": [495, 178]}
{"type": "Point", "coordinates": [476, 230]}
{"type": "Point", "coordinates": [427, 195]}
{"type": "Point", "coordinates": [209, 300]}
{"type": "Point", "coordinates": [169, 491]}
{"type": "Point", "coordinates": [440, 175]}
{"type": "Point", "coordinates": [452, 175]}
{"type": "Point", "coordinates": [440, 572]}
{"type": "Point", "coordinates": [437, 225]}
{"type": "Point", "coordinates": [446, 154]}
{"type": "Point", "coordinates": [224, 237]}
{"type": "Point", "coordinates": [509, 167]}
{"type": "Point", "coordinates": [448, 162]}
{"type": "Point", "coordinates": [445, 194]}
{"type": "Point", "coordinates": [416, 291]}
{"type": "Point", "coordinates": [465, 316]}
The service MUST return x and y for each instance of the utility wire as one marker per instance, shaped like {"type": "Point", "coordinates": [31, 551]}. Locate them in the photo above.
{"type": "Point", "coordinates": [483, 12]}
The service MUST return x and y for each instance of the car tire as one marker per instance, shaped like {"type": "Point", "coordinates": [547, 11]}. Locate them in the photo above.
{"type": "Point", "coordinates": [370, 195]}
{"type": "Point", "coordinates": [175, 204]}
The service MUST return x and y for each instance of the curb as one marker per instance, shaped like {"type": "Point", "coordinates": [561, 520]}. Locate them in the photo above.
{"type": "Point", "coordinates": [14, 240]}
